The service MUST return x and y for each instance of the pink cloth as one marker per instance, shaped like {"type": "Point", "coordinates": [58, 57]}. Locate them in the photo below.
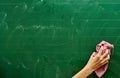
{"type": "Point", "coordinates": [100, 71]}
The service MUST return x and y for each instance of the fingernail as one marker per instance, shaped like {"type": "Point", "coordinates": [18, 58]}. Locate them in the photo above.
{"type": "Point", "coordinates": [107, 51]}
{"type": "Point", "coordinates": [102, 47]}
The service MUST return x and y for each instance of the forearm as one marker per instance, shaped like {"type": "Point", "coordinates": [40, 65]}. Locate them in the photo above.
{"type": "Point", "coordinates": [96, 60]}
{"type": "Point", "coordinates": [84, 73]}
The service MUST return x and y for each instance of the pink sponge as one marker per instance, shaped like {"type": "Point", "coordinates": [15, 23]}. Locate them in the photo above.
{"type": "Point", "coordinates": [100, 71]}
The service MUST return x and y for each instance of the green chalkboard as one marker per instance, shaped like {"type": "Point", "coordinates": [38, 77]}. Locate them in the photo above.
{"type": "Point", "coordinates": [54, 38]}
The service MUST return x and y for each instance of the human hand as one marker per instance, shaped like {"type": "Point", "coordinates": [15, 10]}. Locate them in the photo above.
{"type": "Point", "coordinates": [98, 59]}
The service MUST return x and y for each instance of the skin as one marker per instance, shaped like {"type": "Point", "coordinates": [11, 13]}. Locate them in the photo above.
{"type": "Point", "coordinates": [96, 60]}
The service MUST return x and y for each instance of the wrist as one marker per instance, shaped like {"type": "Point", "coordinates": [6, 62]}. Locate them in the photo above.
{"type": "Point", "coordinates": [88, 70]}
{"type": "Point", "coordinates": [84, 73]}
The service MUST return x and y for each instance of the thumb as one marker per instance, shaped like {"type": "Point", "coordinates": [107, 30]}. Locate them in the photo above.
{"type": "Point", "coordinates": [93, 54]}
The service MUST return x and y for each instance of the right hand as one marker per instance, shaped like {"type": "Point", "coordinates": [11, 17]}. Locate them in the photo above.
{"type": "Point", "coordinates": [98, 59]}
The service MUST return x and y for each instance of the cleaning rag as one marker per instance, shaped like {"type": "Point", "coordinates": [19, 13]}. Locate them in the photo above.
{"type": "Point", "coordinates": [100, 71]}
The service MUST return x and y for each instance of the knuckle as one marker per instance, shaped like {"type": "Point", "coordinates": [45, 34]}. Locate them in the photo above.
{"type": "Point", "coordinates": [98, 56]}
{"type": "Point", "coordinates": [100, 59]}
{"type": "Point", "coordinates": [108, 58]}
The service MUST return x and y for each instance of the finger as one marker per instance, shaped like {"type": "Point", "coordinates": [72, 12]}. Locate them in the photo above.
{"type": "Point", "coordinates": [106, 59]}
{"type": "Point", "coordinates": [100, 51]}
{"type": "Point", "coordinates": [105, 54]}
{"type": "Point", "coordinates": [107, 50]}
{"type": "Point", "coordinates": [104, 63]}
{"type": "Point", "coordinates": [93, 54]}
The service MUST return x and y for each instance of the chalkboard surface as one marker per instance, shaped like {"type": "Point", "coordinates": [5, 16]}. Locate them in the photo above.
{"type": "Point", "coordinates": [55, 38]}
